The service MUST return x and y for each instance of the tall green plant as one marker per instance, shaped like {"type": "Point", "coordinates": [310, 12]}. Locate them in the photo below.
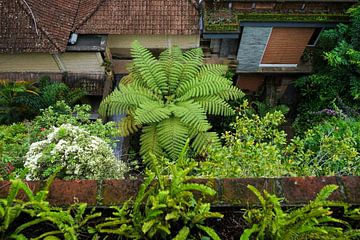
{"type": "Point", "coordinates": [168, 98]}
{"type": "Point", "coordinates": [165, 206]}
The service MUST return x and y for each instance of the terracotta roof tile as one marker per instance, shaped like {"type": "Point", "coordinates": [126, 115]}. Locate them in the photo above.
{"type": "Point", "coordinates": [55, 20]}
{"type": "Point", "coordinates": [143, 17]}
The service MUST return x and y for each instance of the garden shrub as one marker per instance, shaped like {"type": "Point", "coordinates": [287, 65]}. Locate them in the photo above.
{"type": "Point", "coordinates": [82, 156]}
{"type": "Point", "coordinates": [255, 148]}
{"type": "Point", "coordinates": [14, 143]}
{"type": "Point", "coordinates": [331, 148]}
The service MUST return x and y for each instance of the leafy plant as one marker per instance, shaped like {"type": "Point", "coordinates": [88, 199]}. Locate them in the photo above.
{"type": "Point", "coordinates": [15, 100]}
{"type": "Point", "coordinates": [312, 221]}
{"type": "Point", "coordinates": [23, 99]}
{"type": "Point", "coordinates": [332, 148]}
{"type": "Point", "coordinates": [11, 208]}
{"type": "Point", "coordinates": [81, 155]}
{"type": "Point", "coordinates": [255, 148]}
{"type": "Point", "coordinates": [165, 206]}
{"type": "Point", "coordinates": [169, 98]}
{"type": "Point", "coordinates": [336, 77]}
{"type": "Point", "coordinates": [70, 224]}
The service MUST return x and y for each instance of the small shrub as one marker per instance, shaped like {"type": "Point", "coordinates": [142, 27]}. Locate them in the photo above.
{"type": "Point", "coordinates": [81, 155]}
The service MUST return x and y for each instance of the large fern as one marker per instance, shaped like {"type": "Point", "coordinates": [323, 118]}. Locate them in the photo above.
{"type": "Point", "coordinates": [169, 99]}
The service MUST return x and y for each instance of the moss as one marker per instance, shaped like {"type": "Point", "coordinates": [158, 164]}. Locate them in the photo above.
{"type": "Point", "coordinates": [231, 23]}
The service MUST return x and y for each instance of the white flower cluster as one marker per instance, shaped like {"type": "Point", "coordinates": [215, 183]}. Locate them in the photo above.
{"type": "Point", "coordinates": [81, 155]}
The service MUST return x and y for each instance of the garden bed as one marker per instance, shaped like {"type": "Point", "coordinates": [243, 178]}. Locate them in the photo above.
{"type": "Point", "coordinates": [231, 192]}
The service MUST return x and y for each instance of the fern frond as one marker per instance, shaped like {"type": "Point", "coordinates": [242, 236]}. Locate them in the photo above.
{"type": "Point", "coordinates": [151, 112]}
{"type": "Point", "coordinates": [215, 105]}
{"type": "Point", "coordinates": [192, 114]}
{"type": "Point", "coordinates": [173, 53]}
{"type": "Point", "coordinates": [325, 192]}
{"type": "Point", "coordinates": [149, 68]}
{"type": "Point", "coordinates": [209, 85]}
{"type": "Point", "coordinates": [125, 98]}
{"type": "Point", "coordinates": [150, 142]}
{"type": "Point", "coordinates": [128, 126]}
{"type": "Point", "coordinates": [202, 139]}
{"type": "Point", "coordinates": [173, 70]}
{"type": "Point", "coordinates": [182, 234]}
{"type": "Point", "coordinates": [172, 135]}
{"type": "Point", "coordinates": [215, 69]}
{"type": "Point", "coordinates": [193, 60]}
{"type": "Point", "coordinates": [232, 93]}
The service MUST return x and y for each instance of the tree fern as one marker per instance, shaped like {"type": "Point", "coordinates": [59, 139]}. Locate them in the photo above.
{"type": "Point", "coordinates": [170, 98]}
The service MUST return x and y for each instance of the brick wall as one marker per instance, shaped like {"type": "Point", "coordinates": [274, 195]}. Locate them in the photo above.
{"type": "Point", "coordinates": [286, 45]}
{"type": "Point", "coordinates": [230, 191]}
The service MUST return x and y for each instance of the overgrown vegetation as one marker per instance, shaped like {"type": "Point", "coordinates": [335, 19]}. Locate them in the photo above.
{"type": "Point", "coordinates": [23, 99]}
{"type": "Point", "coordinates": [334, 89]}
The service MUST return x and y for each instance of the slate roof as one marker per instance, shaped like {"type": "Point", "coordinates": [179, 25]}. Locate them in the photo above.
{"type": "Point", "coordinates": [45, 25]}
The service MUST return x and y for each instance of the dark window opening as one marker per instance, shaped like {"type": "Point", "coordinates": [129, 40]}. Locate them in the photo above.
{"type": "Point", "coordinates": [315, 37]}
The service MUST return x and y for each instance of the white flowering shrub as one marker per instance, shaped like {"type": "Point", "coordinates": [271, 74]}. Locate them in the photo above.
{"type": "Point", "coordinates": [81, 155]}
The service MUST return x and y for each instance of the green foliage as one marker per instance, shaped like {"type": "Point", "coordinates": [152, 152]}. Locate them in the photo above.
{"type": "Point", "coordinates": [312, 221]}
{"type": "Point", "coordinates": [168, 98]}
{"type": "Point", "coordinates": [69, 224]}
{"type": "Point", "coordinates": [16, 139]}
{"type": "Point", "coordinates": [23, 100]}
{"type": "Point", "coordinates": [255, 148]}
{"type": "Point", "coordinates": [15, 100]}
{"type": "Point", "coordinates": [82, 156]}
{"type": "Point", "coordinates": [336, 80]}
{"type": "Point", "coordinates": [165, 206]}
{"type": "Point", "coordinates": [14, 143]}
{"type": "Point", "coordinates": [331, 148]}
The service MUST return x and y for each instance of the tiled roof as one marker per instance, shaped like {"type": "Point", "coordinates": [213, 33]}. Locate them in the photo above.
{"type": "Point", "coordinates": [143, 17]}
{"type": "Point", "coordinates": [45, 25]}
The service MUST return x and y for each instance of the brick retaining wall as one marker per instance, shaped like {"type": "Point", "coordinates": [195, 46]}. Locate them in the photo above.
{"type": "Point", "coordinates": [231, 191]}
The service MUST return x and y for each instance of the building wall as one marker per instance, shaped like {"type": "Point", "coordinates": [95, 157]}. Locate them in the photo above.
{"type": "Point", "coordinates": [28, 62]}
{"type": "Point", "coordinates": [154, 41]}
{"type": "Point", "coordinates": [75, 62]}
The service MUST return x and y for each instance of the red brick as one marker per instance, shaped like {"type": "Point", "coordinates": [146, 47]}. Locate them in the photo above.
{"type": "Point", "coordinates": [5, 186]}
{"type": "Point", "coordinates": [235, 191]}
{"type": "Point", "coordinates": [352, 188]}
{"type": "Point", "coordinates": [301, 190]}
{"type": "Point", "coordinates": [67, 192]}
{"type": "Point", "coordinates": [119, 191]}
